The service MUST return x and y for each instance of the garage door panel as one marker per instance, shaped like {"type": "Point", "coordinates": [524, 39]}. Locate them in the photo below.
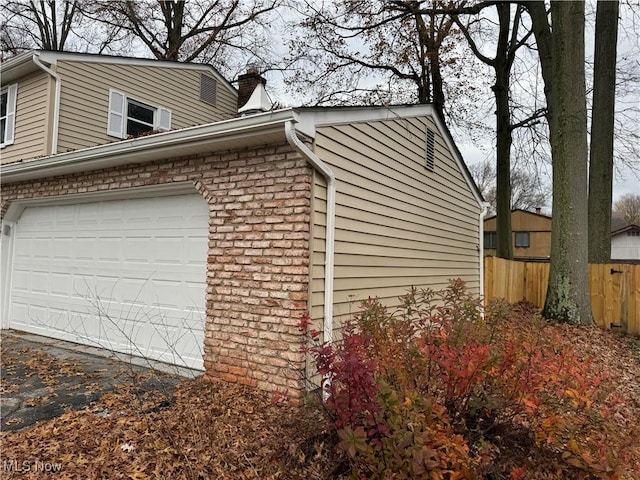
{"type": "Point", "coordinates": [39, 282]}
{"type": "Point", "coordinates": [87, 214]}
{"type": "Point", "coordinates": [113, 213]}
{"type": "Point", "coordinates": [85, 248]}
{"type": "Point", "coordinates": [61, 284]}
{"type": "Point", "coordinates": [63, 248]}
{"type": "Point", "coordinates": [169, 250]}
{"type": "Point", "coordinates": [115, 274]}
{"type": "Point", "coordinates": [21, 281]}
{"type": "Point", "coordinates": [109, 250]}
{"type": "Point", "coordinates": [137, 249]}
{"type": "Point", "coordinates": [65, 216]}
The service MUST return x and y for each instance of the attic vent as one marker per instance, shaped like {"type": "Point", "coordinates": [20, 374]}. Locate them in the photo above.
{"type": "Point", "coordinates": [431, 150]}
{"type": "Point", "coordinates": [207, 89]}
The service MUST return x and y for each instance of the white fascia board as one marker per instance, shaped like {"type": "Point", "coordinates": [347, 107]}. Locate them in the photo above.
{"type": "Point", "coordinates": [311, 117]}
{"type": "Point", "coordinates": [53, 57]}
{"type": "Point", "coordinates": [18, 66]}
{"type": "Point", "coordinates": [199, 139]}
{"type": "Point", "coordinates": [17, 61]}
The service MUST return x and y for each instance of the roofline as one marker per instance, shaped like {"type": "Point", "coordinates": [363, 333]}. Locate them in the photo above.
{"type": "Point", "coordinates": [204, 138]}
{"type": "Point", "coordinates": [22, 59]}
{"type": "Point", "coordinates": [312, 117]}
{"type": "Point", "coordinates": [630, 226]}
{"type": "Point", "coordinates": [525, 211]}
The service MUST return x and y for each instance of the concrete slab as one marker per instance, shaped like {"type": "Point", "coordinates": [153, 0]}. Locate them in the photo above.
{"type": "Point", "coordinates": [41, 378]}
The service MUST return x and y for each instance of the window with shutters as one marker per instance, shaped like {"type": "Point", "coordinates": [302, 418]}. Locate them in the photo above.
{"type": "Point", "coordinates": [131, 118]}
{"type": "Point", "coordinates": [8, 97]}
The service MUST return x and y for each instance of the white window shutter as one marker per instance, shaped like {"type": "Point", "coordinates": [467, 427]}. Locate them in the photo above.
{"type": "Point", "coordinates": [9, 132]}
{"type": "Point", "coordinates": [117, 106]}
{"type": "Point", "coordinates": [163, 120]}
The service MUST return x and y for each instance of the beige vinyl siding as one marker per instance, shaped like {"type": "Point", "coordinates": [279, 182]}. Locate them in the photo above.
{"type": "Point", "coordinates": [85, 98]}
{"type": "Point", "coordinates": [32, 107]}
{"type": "Point", "coordinates": [398, 225]}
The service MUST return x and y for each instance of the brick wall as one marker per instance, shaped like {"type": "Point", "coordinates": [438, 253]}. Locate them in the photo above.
{"type": "Point", "coordinates": [258, 258]}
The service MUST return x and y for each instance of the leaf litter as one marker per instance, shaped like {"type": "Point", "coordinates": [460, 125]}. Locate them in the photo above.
{"type": "Point", "coordinates": [209, 430]}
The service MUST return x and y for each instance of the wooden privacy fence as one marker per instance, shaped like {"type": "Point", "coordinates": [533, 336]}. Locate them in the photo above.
{"type": "Point", "coordinates": [614, 289]}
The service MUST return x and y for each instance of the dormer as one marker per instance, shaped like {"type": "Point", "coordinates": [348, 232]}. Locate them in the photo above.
{"type": "Point", "coordinates": [54, 102]}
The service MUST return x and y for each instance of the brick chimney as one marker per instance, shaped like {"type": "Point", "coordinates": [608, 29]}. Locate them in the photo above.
{"type": "Point", "coordinates": [538, 210]}
{"type": "Point", "coordinates": [247, 84]}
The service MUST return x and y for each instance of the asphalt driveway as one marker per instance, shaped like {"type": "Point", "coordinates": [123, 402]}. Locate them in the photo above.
{"type": "Point", "coordinates": [41, 378]}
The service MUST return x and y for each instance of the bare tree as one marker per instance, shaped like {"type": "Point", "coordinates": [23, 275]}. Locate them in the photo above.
{"type": "Point", "coordinates": [56, 26]}
{"type": "Point", "coordinates": [602, 132]}
{"type": "Point", "coordinates": [216, 32]}
{"type": "Point", "coordinates": [527, 191]}
{"type": "Point", "coordinates": [45, 25]}
{"type": "Point", "coordinates": [627, 208]}
{"type": "Point", "coordinates": [361, 51]}
{"type": "Point", "coordinates": [508, 42]}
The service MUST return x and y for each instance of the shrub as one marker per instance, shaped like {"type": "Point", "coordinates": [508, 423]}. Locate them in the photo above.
{"type": "Point", "coordinates": [435, 389]}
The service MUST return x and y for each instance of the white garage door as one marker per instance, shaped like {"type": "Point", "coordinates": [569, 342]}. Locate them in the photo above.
{"type": "Point", "coordinates": [127, 275]}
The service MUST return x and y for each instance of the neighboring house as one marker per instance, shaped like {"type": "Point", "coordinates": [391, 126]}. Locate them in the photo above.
{"type": "Point", "coordinates": [206, 245]}
{"type": "Point", "coordinates": [532, 237]}
{"type": "Point", "coordinates": [625, 241]}
{"type": "Point", "coordinates": [531, 233]}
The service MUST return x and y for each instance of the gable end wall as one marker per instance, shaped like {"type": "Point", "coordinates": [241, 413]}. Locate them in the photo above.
{"type": "Point", "coordinates": [398, 225]}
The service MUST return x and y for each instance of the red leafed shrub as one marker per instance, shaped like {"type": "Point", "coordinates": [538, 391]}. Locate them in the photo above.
{"type": "Point", "coordinates": [436, 390]}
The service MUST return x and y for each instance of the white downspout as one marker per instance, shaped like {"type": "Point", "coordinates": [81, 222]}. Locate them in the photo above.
{"type": "Point", "coordinates": [483, 213]}
{"type": "Point", "coordinates": [56, 105]}
{"type": "Point", "coordinates": [294, 141]}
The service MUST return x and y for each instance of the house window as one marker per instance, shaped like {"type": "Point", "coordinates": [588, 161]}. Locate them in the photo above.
{"type": "Point", "coordinates": [8, 96]}
{"type": "Point", "coordinates": [522, 239]}
{"type": "Point", "coordinates": [132, 118]}
{"type": "Point", "coordinates": [490, 240]}
{"type": "Point", "coordinates": [140, 118]}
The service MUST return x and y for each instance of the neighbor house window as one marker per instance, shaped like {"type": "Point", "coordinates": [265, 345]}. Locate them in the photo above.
{"type": "Point", "coordinates": [522, 239]}
{"type": "Point", "coordinates": [490, 240]}
{"type": "Point", "coordinates": [8, 96]}
{"type": "Point", "coordinates": [131, 117]}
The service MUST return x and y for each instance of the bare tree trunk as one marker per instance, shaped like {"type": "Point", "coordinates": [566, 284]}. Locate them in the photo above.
{"type": "Point", "coordinates": [506, 47]}
{"type": "Point", "coordinates": [568, 290]}
{"type": "Point", "coordinates": [503, 167]}
{"type": "Point", "coordinates": [502, 67]}
{"type": "Point", "coordinates": [602, 119]}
